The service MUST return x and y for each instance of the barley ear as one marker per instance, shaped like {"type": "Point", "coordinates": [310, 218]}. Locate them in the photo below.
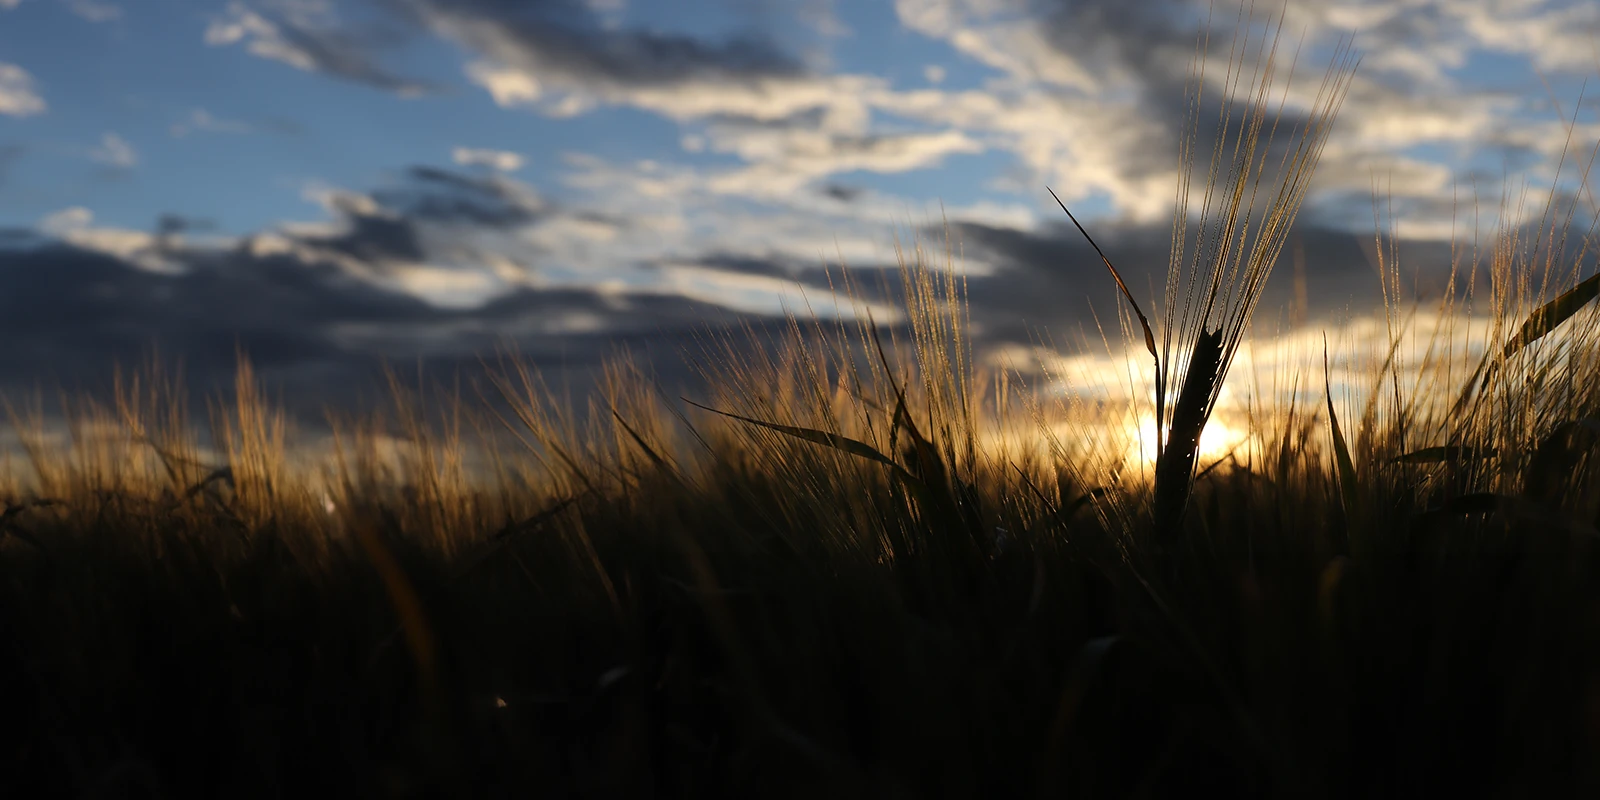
{"type": "Point", "coordinates": [1175, 463]}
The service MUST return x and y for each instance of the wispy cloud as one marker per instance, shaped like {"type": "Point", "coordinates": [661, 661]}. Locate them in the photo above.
{"type": "Point", "coordinates": [18, 97]}
{"type": "Point", "coordinates": [200, 120]}
{"type": "Point", "coordinates": [307, 35]}
{"type": "Point", "coordinates": [501, 160]}
{"type": "Point", "coordinates": [1091, 98]}
{"type": "Point", "coordinates": [94, 10]}
{"type": "Point", "coordinates": [66, 220]}
{"type": "Point", "coordinates": [137, 249]}
{"type": "Point", "coordinates": [785, 160]}
{"type": "Point", "coordinates": [114, 151]}
{"type": "Point", "coordinates": [563, 59]}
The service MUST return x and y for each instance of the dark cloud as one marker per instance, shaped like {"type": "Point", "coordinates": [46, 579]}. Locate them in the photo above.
{"type": "Point", "coordinates": [20, 237]}
{"type": "Point", "coordinates": [347, 57]}
{"type": "Point", "coordinates": [318, 331]}
{"type": "Point", "coordinates": [438, 195]}
{"type": "Point", "coordinates": [372, 236]}
{"type": "Point", "coordinates": [173, 224]}
{"type": "Point", "coordinates": [565, 38]}
{"type": "Point", "coordinates": [297, 35]}
{"type": "Point", "coordinates": [1157, 42]}
{"type": "Point", "coordinates": [77, 312]}
{"type": "Point", "coordinates": [388, 225]}
{"type": "Point", "coordinates": [1154, 38]}
{"type": "Point", "coordinates": [1050, 283]}
{"type": "Point", "coordinates": [71, 315]}
{"type": "Point", "coordinates": [805, 272]}
{"type": "Point", "coordinates": [318, 336]}
{"type": "Point", "coordinates": [842, 193]}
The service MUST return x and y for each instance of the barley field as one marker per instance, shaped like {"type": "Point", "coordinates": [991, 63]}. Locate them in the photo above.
{"type": "Point", "coordinates": [862, 564]}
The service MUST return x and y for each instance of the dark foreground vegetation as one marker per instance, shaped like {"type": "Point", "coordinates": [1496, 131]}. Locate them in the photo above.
{"type": "Point", "coordinates": [779, 613]}
{"type": "Point", "coordinates": [849, 589]}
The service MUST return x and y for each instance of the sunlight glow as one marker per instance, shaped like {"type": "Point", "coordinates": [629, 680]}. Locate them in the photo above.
{"type": "Point", "coordinates": [1216, 442]}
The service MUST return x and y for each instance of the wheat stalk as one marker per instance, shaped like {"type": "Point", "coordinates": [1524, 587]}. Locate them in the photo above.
{"type": "Point", "coordinates": [1213, 288]}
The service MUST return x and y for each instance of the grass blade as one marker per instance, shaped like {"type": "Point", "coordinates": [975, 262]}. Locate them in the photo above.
{"type": "Point", "coordinates": [512, 529]}
{"type": "Point", "coordinates": [1346, 469]}
{"type": "Point", "coordinates": [1538, 324]}
{"type": "Point", "coordinates": [1552, 314]}
{"type": "Point", "coordinates": [922, 450]}
{"type": "Point", "coordinates": [1072, 508]}
{"type": "Point", "coordinates": [1558, 458]}
{"type": "Point", "coordinates": [924, 457]}
{"type": "Point", "coordinates": [836, 441]}
{"type": "Point", "coordinates": [1149, 337]}
{"type": "Point", "coordinates": [660, 463]}
{"type": "Point", "coordinates": [1444, 453]}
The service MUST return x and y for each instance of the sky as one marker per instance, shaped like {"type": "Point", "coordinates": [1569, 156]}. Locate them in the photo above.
{"type": "Point", "coordinates": [329, 184]}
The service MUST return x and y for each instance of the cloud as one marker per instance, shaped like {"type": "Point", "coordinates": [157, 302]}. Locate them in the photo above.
{"type": "Point", "coordinates": [1012, 44]}
{"type": "Point", "coordinates": [94, 11]}
{"type": "Point", "coordinates": [428, 194]}
{"type": "Point", "coordinates": [66, 220]}
{"type": "Point", "coordinates": [9, 4]}
{"type": "Point", "coordinates": [1554, 36]}
{"type": "Point", "coordinates": [560, 57]}
{"type": "Point", "coordinates": [437, 267]}
{"type": "Point", "coordinates": [1090, 95]}
{"type": "Point", "coordinates": [75, 225]}
{"type": "Point", "coordinates": [446, 238]}
{"type": "Point", "coordinates": [564, 42]}
{"type": "Point", "coordinates": [92, 309]}
{"type": "Point", "coordinates": [114, 151]}
{"type": "Point", "coordinates": [1049, 286]}
{"type": "Point", "coordinates": [307, 36]}
{"type": "Point", "coordinates": [73, 310]}
{"type": "Point", "coordinates": [174, 224]}
{"type": "Point", "coordinates": [18, 97]}
{"type": "Point", "coordinates": [842, 193]}
{"type": "Point", "coordinates": [790, 125]}
{"type": "Point", "coordinates": [368, 232]}
{"type": "Point", "coordinates": [200, 120]}
{"type": "Point", "coordinates": [784, 159]}
{"type": "Point", "coordinates": [500, 160]}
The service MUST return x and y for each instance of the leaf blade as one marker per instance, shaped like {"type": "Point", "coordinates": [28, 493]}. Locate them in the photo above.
{"type": "Point", "coordinates": [836, 441]}
{"type": "Point", "coordinates": [1149, 337]}
{"type": "Point", "coordinates": [1345, 468]}
{"type": "Point", "coordinates": [1550, 316]}
{"type": "Point", "coordinates": [1444, 453]}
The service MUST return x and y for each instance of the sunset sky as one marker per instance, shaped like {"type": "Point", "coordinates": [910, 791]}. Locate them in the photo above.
{"type": "Point", "coordinates": [331, 182]}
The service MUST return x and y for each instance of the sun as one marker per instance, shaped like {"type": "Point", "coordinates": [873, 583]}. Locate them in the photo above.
{"type": "Point", "coordinates": [1216, 442]}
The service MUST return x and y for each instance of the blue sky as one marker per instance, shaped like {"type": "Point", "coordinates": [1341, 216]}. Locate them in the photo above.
{"type": "Point", "coordinates": [332, 181]}
{"type": "Point", "coordinates": [212, 131]}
